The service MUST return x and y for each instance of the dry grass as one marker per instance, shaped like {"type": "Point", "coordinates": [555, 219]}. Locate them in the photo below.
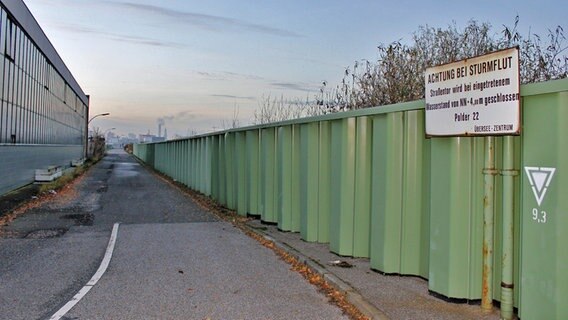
{"type": "Point", "coordinates": [62, 181]}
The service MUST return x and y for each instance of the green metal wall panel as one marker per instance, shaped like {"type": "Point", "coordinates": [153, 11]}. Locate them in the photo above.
{"type": "Point", "coordinates": [169, 160]}
{"type": "Point", "coordinates": [343, 134]}
{"type": "Point", "coordinates": [187, 163]}
{"type": "Point", "coordinates": [309, 162]}
{"type": "Point", "coordinates": [296, 180]}
{"type": "Point", "coordinates": [335, 185]}
{"type": "Point", "coordinates": [544, 256]}
{"type": "Point", "coordinates": [151, 155]}
{"type": "Point", "coordinates": [192, 161]}
{"type": "Point", "coordinates": [416, 197]}
{"type": "Point", "coordinates": [222, 172]}
{"type": "Point", "coordinates": [184, 162]}
{"type": "Point", "coordinates": [284, 168]}
{"type": "Point", "coordinates": [362, 198]}
{"type": "Point", "coordinates": [214, 167]}
{"type": "Point", "coordinates": [288, 178]}
{"type": "Point", "coordinates": [201, 166]}
{"type": "Point", "coordinates": [324, 178]}
{"type": "Point", "coordinates": [456, 217]}
{"type": "Point", "coordinates": [268, 177]}
{"type": "Point", "coordinates": [387, 192]}
{"type": "Point", "coordinates": [208, 167]}
{"type": "Point", "coordinates": [178, 159]}
{"type": "Point", "coordinates": [199, 159]}
{"type": "Point", "coordinates": [253, 167]}
{"type": "Point", "coordinates": [400, 206]}
{"type": "Point", "coordinates": [229, 170]}
{"type": "Point", "coordinates": [241, 177]}
{"type": "Point", "coordinates": [199, 172]}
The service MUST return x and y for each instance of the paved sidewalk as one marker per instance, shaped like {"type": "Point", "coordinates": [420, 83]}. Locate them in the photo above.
{"type": "Point", "coordinates": [384, 297]}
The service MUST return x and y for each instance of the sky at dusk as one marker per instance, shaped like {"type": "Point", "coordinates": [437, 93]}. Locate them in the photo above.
{"type": "Point", "coordinates": [192, 63]}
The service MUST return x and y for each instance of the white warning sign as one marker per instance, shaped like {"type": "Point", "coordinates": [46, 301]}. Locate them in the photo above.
{"type": "Point", "coordinates": [539, 179]}
{"type": "Point", "coordinates": [474, 97]}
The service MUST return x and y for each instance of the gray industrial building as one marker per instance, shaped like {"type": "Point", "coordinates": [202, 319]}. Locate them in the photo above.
{"type": "Point", "coordinates": [43, 110]}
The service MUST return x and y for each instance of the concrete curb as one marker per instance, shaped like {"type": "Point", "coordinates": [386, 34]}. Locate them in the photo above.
{"type": "Point", "coordinates": [354, 297]}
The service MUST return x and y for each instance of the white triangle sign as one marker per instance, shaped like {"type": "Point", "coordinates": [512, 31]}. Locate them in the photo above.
{"type": "Point", "coordinates": [539, 178]}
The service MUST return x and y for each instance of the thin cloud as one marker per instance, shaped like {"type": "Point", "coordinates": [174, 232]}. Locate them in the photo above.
{"type": "Point", "coordinates": [205, 21]}
{"type": "Point", "coordinates": [120, 37]}
{"type": "Point", "coordinates": [182, 115]}
{"type": "Point", "coordinates": [226, 75]}
{"type": "Point", "coordinates": [292, 86]}
{"type": "Point", "coordinates": [232, 97]}
{"type": "Point", "coordinates": [244, 76]}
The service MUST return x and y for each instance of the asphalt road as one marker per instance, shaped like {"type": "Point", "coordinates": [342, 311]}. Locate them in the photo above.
{"type": "Point", "coordinates": [172, 260]}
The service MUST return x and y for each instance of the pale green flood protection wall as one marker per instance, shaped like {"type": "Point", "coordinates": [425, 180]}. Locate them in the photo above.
{"type": "Point", "coordinates": [371, 185]}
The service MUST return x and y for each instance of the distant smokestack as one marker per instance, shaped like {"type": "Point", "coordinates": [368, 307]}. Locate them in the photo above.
{"type": "Point", "coordinates": [166, 133]}
{"type": "Point", "coordinates": [161, 123]}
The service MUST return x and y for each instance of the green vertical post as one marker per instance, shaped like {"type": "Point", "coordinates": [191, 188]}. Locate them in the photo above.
{"type": "Point", "coordinates": [252, 171]}
{"type": "Point", "coordinates": [215, 167]}
{"type": "Point", "coordinates": [229, 169]}
{"type": "Point", "coordinates": [387, 202]}
{"type": "Point", "coordinates": [296, 178]}
{"type": "Point", "coordinates": [362, 197]}
{"type": "Point", "coordinates": [324, 176]}
{"type": "Point", "coordinates": [222, 173]}
{"type": "Point", "coordinates": [173, 154]}
{"type": "Point", "coordinates": [199, 165]}
{"type": "Point", "coordinates": [178, 161]}
{"type": "Point", "coordinates": [416, 197]}
{"type": "Point", "coordinates": [335, 185]}
{"type": "Point", "coordinates": [183, 161]}
{"type": "Point", "coordinates": [309, 181]}
{"type": "Point", "coordinates": [508, 172]}
{"type": "Point", "coordinates": [285, 178]}
{"type": "Point", "coordinates": [343, 186]}
{"type": "Point", "coordinates": [192, 164]}
{"type": "Point", "coordinates": [268, 175]}
{"type": "Point", "coordinates": [208, 160]}
{"type": "Point", "coordinates": [241, 181]}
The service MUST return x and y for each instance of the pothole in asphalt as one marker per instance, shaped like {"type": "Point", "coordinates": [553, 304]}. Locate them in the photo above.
{"type": "Point", "coordinates": [46, 233]}
{"type": "Point", "coordinates": [81, 219]}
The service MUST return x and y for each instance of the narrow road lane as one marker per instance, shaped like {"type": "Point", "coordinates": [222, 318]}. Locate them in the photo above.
{"type": "Point", "coordinates": [172, 260]}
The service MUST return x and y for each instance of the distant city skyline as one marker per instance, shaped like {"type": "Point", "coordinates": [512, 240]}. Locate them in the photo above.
{"type": "Point", "coordinates": [190, 64]}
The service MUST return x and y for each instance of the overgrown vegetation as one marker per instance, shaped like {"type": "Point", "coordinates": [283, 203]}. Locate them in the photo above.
{"type": "Point", "coordinates": [128, 148]}
{"type": "Point", "coordinates": [398, 73]}
{"type": "Point", "coordinates": [97, 145]}
{"type": "Point", "coordinates": [274, 109]}
{"type": "Point", "coordinates": [63, 180]}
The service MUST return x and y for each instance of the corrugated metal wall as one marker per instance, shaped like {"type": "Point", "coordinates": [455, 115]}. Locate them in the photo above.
{"type": "Point", "coordinates": [43, 111]}
{"type": "Point", "coordinates": [370, 184]}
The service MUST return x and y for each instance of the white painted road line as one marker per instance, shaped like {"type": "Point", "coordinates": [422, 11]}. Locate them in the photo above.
{"type": "Point", "coordinates": [102, 269]}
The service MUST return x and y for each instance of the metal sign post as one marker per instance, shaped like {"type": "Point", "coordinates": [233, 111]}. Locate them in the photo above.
{"type": "Point", "coordinates": [480, 96]}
